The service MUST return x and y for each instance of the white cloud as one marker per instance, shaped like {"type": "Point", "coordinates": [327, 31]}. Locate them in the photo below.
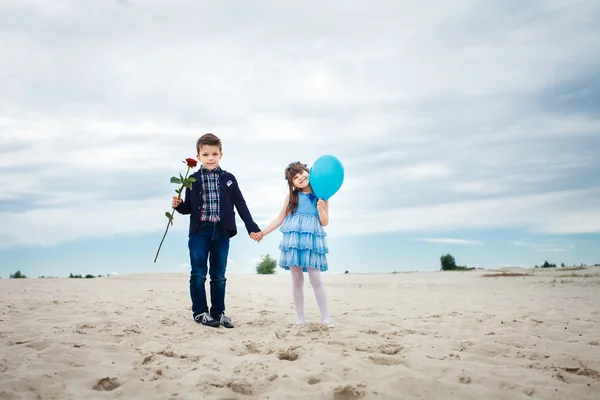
{"type": "Point", "coordinates": [445, 118]}
{"type": "Point", "coordinates": [51, 226]}
{"type": "Point", "coordinates": [450, 241]}
{"type": "Point", "coordinates": [543, 213]}
{"type": "Point", "coordinates": [550, 245]}
{"type": "Point", "coordinates": [423, 172]}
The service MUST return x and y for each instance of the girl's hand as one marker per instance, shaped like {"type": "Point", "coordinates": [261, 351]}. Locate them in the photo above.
{"type": "Point", "coordinates": [323, 208]}
{"type": "Point", "coordinates": [321, 205]}
{"type": "Point", "coordinates": [257, 236]}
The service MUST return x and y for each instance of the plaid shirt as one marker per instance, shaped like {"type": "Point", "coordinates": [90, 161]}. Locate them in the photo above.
{"type": "Point", "coordinates": [210, 194]}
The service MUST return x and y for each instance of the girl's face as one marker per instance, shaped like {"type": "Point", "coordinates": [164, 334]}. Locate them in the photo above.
{"type": "Point", "coordinates": [301, 180]}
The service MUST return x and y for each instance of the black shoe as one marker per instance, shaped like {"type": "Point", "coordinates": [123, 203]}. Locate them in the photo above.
{"type": "Point", "coordinates": [206, 320]}
{"type": "Point", "coordinates": [225, 321]}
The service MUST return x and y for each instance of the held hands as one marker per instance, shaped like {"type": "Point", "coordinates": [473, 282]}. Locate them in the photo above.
{"type": "Point", "coordinates": [257, 236]}
{"type": "Point", "coordinates": [176, 201]}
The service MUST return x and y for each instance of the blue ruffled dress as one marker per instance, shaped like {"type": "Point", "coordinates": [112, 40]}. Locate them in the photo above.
{"type": "Point", "coordinates": [303, 243]}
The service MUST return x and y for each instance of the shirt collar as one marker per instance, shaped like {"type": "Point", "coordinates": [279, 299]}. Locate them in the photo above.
{"type": "Point", "coordinates": [207, 171]}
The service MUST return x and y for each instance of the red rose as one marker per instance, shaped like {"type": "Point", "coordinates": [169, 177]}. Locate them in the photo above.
{"type": "Point", "coordinates": [184, 181]}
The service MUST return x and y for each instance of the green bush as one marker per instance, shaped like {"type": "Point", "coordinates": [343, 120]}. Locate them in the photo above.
{"type": "Point", "coordinates": [546, 264]}
{"type": "Point", "coordinates": [266, 266]}
{"type": "Point", "coordinates": [18, 275]}
{"type": "Point", "coordinates": [88, 276]}
{"type": "Point", "coordinates": [448, 262]}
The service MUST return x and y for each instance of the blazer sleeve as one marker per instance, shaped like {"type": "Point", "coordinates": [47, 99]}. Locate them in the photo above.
{"type": "Point", "coordinates": [240, 204]}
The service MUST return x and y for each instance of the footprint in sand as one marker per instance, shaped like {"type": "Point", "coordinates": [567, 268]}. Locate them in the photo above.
{"type": "Point", "coordinates": [390, 349]}
{"type": "Point", "coordinates": [165, 353]}
{"type": "Point", "coordinates": [252, 347]}
{"type": "Point", "coordinates": [168, 322]}
{"type": "Point", "coordinates": [107, 384]}
{"type": "Point", "coordinates": [132, 329]}
{"type": "Point", "coordinates": [349, 392]}
{"type": "Point", "coordinates": [241, 387]}
{"type": "Point", "coordinates": [370, 332]}
{"type": "Point", "coordinates": [249, 347]}
{"type": "Point", "coordinates": [289, 355]}
{"type": "Point", "coordinates": [385, 348]}
{"type": "Point", "coordinates": [583, 371]}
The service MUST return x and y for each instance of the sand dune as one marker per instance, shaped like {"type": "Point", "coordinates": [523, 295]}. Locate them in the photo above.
{"type": "Point", "coordinates": [426, 335]}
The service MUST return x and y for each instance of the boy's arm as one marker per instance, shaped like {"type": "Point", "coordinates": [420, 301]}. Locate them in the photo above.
{"type": "Point", "coordinates": [185, 207]}
{"type": "Point", "coordinates": [240, 204]}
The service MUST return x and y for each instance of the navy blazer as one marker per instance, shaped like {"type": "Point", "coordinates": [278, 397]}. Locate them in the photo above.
{"type": "Point", "coordinates": [230, 196]}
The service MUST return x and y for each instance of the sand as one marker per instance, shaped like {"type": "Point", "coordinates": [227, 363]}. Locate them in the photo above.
{"type": "Point", "coordinates": [424, 335]}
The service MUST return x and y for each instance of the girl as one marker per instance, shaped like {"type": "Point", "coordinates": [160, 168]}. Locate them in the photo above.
{"type": "Point", "coordinates": [303, 246]}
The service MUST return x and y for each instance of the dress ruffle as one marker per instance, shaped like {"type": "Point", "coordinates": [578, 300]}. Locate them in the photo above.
{"type": "Point", "coordinates": [302, 223]}
{"type": "Point", "coordinates": [303, 258]}
{"type": "Point", "coordinates": [303, 244]}
{"type": "Point", "coordinates": [304, 241]}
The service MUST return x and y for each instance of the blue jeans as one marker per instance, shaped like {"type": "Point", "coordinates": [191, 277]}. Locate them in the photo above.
{"type": "Point", "coordinates": [209, 244]}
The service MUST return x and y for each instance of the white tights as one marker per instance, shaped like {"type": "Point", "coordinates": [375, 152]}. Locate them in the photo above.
{"type": "Point", "coordinates": [314, 275]}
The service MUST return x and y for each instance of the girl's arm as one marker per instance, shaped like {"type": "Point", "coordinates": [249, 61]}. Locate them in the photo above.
{"type": "Point", "coordinates": [279, 219]}
{"type": "Point", "coordinates": [323, 207]}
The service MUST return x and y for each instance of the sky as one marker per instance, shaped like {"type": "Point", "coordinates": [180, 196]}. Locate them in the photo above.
{"type": "Point", "coordinates": [470, 128]}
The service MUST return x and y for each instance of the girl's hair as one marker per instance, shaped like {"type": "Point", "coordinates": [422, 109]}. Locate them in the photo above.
{"type": "Point", "coordinates": [291, 171]}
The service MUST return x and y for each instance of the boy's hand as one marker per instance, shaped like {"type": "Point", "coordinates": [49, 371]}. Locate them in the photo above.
{"type": "Point", "coordinates": [256, 236]}
{"type": "Point", "coordinates": [321, 205]}
{"type": "Point", "coordinates": [176, 201]}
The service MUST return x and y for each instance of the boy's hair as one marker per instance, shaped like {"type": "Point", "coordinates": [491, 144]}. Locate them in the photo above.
{"type": "Point", "coordinates": [291, 171]}
{"type": "Point", "coordinates": [208, 139]}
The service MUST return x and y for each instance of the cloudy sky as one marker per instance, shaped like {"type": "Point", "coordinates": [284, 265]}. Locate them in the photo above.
{"type": "Point", "coordinates": [469, 127]}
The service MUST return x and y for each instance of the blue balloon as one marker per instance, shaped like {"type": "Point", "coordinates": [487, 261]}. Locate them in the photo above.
{"type": "Point", "coordinates": [326, 176]}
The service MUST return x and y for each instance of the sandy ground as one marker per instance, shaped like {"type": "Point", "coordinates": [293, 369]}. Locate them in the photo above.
{"type": "Point", "coordinates": [425, 335]}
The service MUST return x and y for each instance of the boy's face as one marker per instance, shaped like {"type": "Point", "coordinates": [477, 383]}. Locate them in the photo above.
{"type": "Point", "coordinates": [209, 156]}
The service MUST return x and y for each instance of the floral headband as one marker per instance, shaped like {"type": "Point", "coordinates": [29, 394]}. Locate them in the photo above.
{"type": "Point", "coordinates": [290, 165]}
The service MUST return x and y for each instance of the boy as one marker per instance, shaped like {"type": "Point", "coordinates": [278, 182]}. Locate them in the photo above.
{"type": "Point", "coordinates": [210, 204]}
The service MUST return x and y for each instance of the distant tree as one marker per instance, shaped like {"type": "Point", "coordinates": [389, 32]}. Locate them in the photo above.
{"type": "Point", "coordinates": [448, 262]}
{"type": "Point", "coordinates": [546, 264]}
{"type": "Point", "coordinates": [562, 264]}
{"type": "Point", "coordinates": [18, 275]}
{"type": "Point", "coordinates": [266, 266]}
